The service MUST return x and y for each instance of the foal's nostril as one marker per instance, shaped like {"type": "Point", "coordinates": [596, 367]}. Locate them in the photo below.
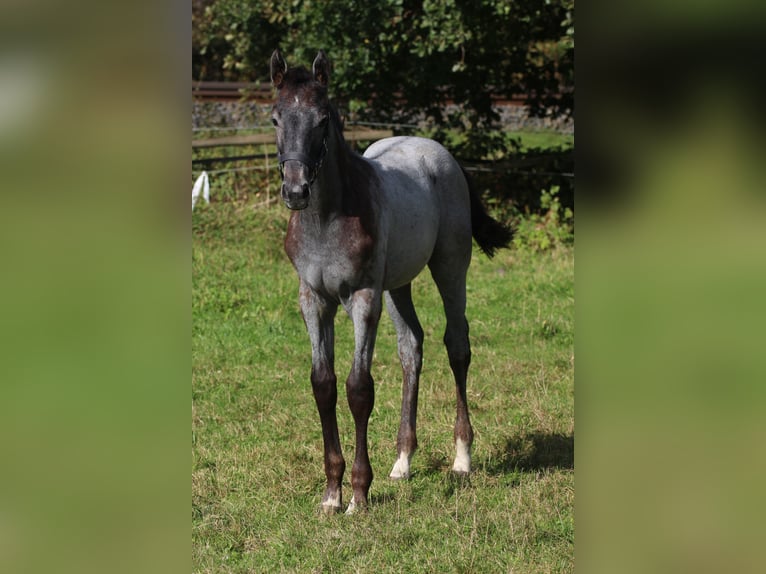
{"type": "Point", "coordinates": [296, 196]}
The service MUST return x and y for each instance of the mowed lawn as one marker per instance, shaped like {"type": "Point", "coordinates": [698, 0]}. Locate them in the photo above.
{"type": "Point", "coordinates": [257, 470]}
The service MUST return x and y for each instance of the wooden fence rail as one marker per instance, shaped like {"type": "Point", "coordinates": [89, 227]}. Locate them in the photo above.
{"type": "Point", "coordinates": [269, 138]}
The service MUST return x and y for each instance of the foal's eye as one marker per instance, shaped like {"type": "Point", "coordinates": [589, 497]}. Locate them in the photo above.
{"type": "Point", "coordinates": [323, 122]}
{"type": "Point", "coordinates": [274, 122]}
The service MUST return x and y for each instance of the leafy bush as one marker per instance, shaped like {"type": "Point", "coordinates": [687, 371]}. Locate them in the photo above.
{"type": "Point", "coordinates": [401, 59]}
{"type": "Point", "coordinates": [552, 228]}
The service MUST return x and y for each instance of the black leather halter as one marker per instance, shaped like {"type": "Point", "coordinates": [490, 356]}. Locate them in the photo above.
{"type": "Point", "coordinates": [313, 165]}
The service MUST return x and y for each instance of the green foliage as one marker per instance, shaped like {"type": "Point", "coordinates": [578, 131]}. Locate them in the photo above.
{"type": "Point", "coordinates": [528, 180]}
{"type": "Point", "coordinates": [231, 39]}
{"type": "Point", "coordinates": [403, 59]}
{"type": "Point", "coordinates": [466, 143]}
{"type": "Point", "coordinates": [408, 58]}
{"type": "Point", "coordinates": [542, 140]}
{"type": "Point", "coordinates": [542, 232]}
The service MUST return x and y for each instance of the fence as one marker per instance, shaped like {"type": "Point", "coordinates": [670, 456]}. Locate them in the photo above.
{"type": "Point", "coordinates": [517, 180]}
{"type": "Point", "coordinates": [266, 141]}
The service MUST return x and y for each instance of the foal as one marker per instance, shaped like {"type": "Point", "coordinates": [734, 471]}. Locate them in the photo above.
{"type": "Point", "coordinates": [363, 228]}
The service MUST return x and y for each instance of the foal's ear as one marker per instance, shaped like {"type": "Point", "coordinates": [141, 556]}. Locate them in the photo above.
{"type": "Point", "coordinates": [321, 68]}
{"type": "Point", "coordinates": [278, 68]}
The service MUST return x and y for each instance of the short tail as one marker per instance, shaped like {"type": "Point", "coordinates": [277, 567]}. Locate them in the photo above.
{"type": "Point", "coordinates": [489, 233]}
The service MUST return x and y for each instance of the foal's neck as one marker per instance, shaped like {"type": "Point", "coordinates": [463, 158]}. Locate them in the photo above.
{"type": "Point", "coordinates": [342, 185]}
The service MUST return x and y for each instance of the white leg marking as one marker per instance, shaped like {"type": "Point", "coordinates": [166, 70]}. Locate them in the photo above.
{"type": "Point", "coordinates": [462, 457]}
{"type": "Point", "coordinates": [401, 468]}
{"type": "Point", "coordinates": [332, 504]}
{"type": "Point", "coordinates": [351, 507]}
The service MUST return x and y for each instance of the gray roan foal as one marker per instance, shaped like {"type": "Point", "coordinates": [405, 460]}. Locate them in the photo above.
{"type": "Point", "coordinates": [362, 228]}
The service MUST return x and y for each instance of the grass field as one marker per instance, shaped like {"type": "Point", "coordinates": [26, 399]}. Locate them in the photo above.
{"type": "Point", "coordinates": [257, 473]}
{"type": "Point", "coordinates": [543, 139]}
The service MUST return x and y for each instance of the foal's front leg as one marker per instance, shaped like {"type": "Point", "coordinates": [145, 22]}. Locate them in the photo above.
{"type": "Point", "coordinates": [319, 316]}
{"type": "Point", "coordinates": [364, 308]}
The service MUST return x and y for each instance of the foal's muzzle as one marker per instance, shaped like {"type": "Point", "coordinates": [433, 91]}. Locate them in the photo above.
{"type": "Point", "coordinates": [296, 194]}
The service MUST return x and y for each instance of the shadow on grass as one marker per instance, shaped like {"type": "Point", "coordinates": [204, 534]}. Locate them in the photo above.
{"type": "Point", "coordinates": [382, 498]}
{"type": "Point", "coordinates": [422, 483]}
{"type": "Point", "coordinates": [532, 452]}
{"type": "Point", "coordinates": [435, 464]}
{"type": "Point", "coordinates": [526, 453]}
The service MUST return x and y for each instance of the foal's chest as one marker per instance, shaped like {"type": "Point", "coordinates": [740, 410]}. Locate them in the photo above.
{"type": "Point", "coordinates": [333, 259]}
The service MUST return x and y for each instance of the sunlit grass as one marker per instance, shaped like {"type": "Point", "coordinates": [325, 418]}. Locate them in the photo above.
{"type": "Point", "coordinates": [543, 139]}
{"type": "Point", "coordinates": [257, 472]}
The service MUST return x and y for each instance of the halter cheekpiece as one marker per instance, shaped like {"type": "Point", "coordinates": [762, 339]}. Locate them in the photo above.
{"type": "Point", "coordinates": [313, 165]}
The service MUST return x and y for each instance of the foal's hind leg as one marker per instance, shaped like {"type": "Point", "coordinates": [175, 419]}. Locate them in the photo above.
{"type": "Point", "coordinates": [450, 279]}
{"type": "Point", "coordinates": [410, 343]}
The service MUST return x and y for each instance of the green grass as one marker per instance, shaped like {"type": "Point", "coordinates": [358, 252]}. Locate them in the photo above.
{"type": "Point", "coordinates": [257, 474]}
{"type": "Point", "coordinates": [542, 139]}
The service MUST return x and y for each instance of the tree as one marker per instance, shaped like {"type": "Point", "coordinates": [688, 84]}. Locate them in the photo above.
{"type": "Point", "coordinates": [429, 51]}
{"type": "Point", "coordinates": [232, 39]}
{"type": "Point", "coordinates": [403, 59]}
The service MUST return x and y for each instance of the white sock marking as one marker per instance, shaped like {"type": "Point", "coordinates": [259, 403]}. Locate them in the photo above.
{"type": "Point", "coordinates": [401, 468]}
{"type": "Point", "coordinates": [332, 502]}
{"type": "Point", "coordinates": [462, 457]}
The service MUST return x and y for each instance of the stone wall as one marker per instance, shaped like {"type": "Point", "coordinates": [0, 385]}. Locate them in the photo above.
{"type": "Point", "coordinates": [252, 114]}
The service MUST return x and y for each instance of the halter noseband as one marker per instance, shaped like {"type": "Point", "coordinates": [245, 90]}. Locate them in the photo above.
{"type": "Point", "coordinates": [313, 165]}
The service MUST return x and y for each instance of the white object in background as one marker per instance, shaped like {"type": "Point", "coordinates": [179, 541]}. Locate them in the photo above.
{"type": "Point", "coordinates": [25, 90]}
{"type": "Point", "coordinates": [202, 184]}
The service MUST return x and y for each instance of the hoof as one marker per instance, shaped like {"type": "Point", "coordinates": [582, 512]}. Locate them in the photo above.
{"type": "Point", "coordinates": [398, 476]}
{"type": "Point", "coordinates": [460, 468]}
{"type": "Point", "coordinates": [399, 473]}
{"type": "Point", "coordinates": [401, 470]}
{"type": "Point", "coordinates": [354, 508]}
{"type": "Point", "coordinates": [329, 509]}
{"type": "Point", "coordinates": [332, 503]}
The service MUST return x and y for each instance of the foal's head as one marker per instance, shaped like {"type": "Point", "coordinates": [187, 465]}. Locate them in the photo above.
{"type": "Point", "coordinates": [301, 116]}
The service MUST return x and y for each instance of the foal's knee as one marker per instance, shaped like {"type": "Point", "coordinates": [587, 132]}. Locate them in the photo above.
{"type": "Point", "coordinates": [324, 385]}
{"type": "Point", "coordinates": [360, 391]}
